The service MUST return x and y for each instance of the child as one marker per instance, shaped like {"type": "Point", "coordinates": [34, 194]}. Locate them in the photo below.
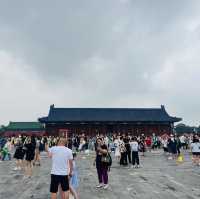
{"type": "Point", "coordinates": [74, 179]}
{"type": "Point", "coordinates": [73, 182]}
{"type": "Point", "coordinates": [5, 153]}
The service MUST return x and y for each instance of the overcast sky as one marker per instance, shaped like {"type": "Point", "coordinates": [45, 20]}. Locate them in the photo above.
{"type": "Point", "coordinates": [107, 53]}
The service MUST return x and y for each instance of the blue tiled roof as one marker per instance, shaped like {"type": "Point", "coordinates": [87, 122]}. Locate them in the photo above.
{"type": "Point", "coordinates": [108, 115]}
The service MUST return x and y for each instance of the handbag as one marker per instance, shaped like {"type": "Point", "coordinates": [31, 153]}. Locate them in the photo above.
{"type": "Point", "coordinates": [106, 159]}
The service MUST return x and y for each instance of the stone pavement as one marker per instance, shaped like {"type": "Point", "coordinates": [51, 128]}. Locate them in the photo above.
{"type": "Point", "coordinates": [158, 178]}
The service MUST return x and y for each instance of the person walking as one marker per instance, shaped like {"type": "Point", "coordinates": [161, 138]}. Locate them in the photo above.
{"type": "Point", "coordinates": [128, 149]}
{"type": "Point", "coordinates": [62, 158]}
{"type": "Point", "coordinates": [29, 147]}
{"type": "Point", "coordinates": [142, 144]}
{"type": "Point", "coordinates": [195, 148]}
{"type": "Point", "coordinates": [37, 152]}
{"type": "Point", "coordinates": [74, 184]}
{"type": "Point", "coordinates": [117, 148]}
{"type": "Point", "coordinates": [172, 144]}
{"type": "Point", "coordinates": [164, 143]}
{"type": "Point", "coordinates": [19, 154]}
{"type": "Point", "coordinates": [123, 159]}
{"type": "Point", "coordinates": [148, 143]}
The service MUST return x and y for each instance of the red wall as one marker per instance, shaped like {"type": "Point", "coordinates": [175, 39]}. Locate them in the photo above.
{"type": "Point", "coordinates": [103, 129]}
{"type": "Point", "coordinates": [29, 133]}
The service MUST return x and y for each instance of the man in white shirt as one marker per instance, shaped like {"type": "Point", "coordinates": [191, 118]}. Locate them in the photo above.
{"type": "Point", "coordinates": [61, 164]}
{"type": "Point", "coordinates": [182, 140]}
{"type": "Point", "coordinates": [135, 152]}
{"type": "Point", "coordinates": [195, 147]}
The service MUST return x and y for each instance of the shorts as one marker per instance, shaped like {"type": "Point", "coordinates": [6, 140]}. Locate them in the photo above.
{"type": "Point", "coordinates": [57, 180]}
{"type": "Point", "coordinates": [19, 154]}
{"type": "Point", "coordinates": [165, 149]}
{"type": "Point", "coordinates": [196, 153]}
{"type": "Point", "coordinates": [183, 144]}
{"type": "Point", "coordinates": [30, 157]}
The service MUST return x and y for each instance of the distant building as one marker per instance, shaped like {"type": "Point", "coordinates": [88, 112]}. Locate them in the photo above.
{"type": "Point", "coordinates": [23, 128]}
{"type": "Point", "coordinates": [92, 121]}
{"type": "Point", "coordinates": [185, 129]}
{"type": "Point", "coordinates": [1, 131]}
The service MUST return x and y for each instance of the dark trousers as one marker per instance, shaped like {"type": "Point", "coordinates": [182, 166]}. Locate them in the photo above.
{"type": "Point", "coordinates": [178, 150]}
{"type": "Point", "coordinates": [102, 172]}
{"type": "Point", "coordinates": [123, 159]}
{"type": "Point", "coordinates": [135, 158]}
{"type": "Point", "coordinates": [129, 156]}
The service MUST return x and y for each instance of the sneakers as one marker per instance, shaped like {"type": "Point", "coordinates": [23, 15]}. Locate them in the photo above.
{"type": "Point", "coordinates": [106, 186]}
{"type": "Point", "coordinates": [25, 177]}
{"type": "Point", "coordinates": [15, 169]}
{"type": "Point", "coordinates": [135, 166]}
{"type": "Point", "coordinates": [99, 185]}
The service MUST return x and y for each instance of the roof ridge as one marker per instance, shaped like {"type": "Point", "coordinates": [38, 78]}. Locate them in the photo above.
{"type": "Point", "coordinates": [23, 122]}
{"type": "Point", "coordinates": [107, 114]}
{"type": "Point", "coordinates": [109, 108]}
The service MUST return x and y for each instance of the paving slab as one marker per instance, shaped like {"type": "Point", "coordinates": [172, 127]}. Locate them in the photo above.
{"type": "Point", "coordinates": [158, 178]}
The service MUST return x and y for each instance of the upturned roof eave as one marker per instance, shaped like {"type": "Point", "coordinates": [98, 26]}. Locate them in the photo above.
{"type": "Point", "coordinates": [43, 119]}
{"type": "Point", "coordinates": [176, 119]}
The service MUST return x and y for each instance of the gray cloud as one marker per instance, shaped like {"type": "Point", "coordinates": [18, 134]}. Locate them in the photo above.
{"type": "Point", "coordinates": [106, 53]}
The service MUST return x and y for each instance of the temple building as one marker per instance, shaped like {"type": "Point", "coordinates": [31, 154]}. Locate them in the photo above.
{"type": "Point", "coordinates": [23, 128]}
{"type": "Point", "coordinates": [92, 121]}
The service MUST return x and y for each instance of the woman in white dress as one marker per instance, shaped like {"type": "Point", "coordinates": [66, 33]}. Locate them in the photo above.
{"type": "Point", "coordinates": [117, 149]}
{"type": "Point", "coordinates": [82, 143]}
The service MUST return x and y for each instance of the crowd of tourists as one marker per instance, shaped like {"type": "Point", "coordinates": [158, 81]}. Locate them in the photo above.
{"type": "Point", "coordinates": [27, 149]}
{"type": "Point", "coordinates": [125, 149]}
